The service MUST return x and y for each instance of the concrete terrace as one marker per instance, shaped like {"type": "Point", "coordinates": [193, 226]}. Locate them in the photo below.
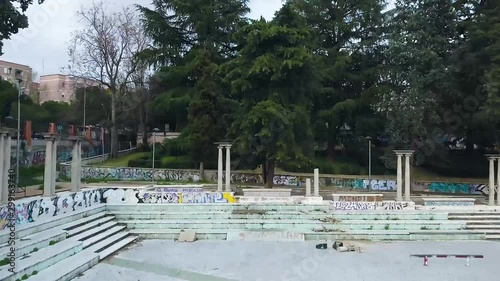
{"type": "Point", "coordinates": [153, 260]}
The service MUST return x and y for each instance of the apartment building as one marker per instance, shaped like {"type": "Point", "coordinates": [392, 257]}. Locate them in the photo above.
{"type": "Point", "coordinates": [61, 88]}
{"type": "Point", "coordinates": [15, 73]}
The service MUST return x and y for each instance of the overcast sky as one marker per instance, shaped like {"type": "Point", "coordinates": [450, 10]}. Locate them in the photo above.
{"type": "Point", "coordinates": [43, 45]}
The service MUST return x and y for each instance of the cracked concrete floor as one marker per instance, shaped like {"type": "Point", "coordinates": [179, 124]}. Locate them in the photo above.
{"type": "Point", "coordinates": [155, 260]}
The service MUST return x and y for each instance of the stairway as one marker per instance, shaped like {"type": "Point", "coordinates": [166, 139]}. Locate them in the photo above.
{"type": "Point", "coordinates": [64, 251]}
{"type": "Point", "coordinates": [316, 222]}
{"type": "Point", "coordinates": [485, 222]}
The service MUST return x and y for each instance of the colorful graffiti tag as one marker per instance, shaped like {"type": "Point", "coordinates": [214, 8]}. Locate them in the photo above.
{"type": "Point", "coordinates": [450, 187]}
{"type": "Point", "coordinates": [136, 196]}
{"type": "Point", "coordinates": [64, 154]}
{"type": "Point", "coordinates": [30, 210]}
{"type": "Point", "coordinates": [367, 206]}
{"type": "Point", "coordinates": [386, 185]}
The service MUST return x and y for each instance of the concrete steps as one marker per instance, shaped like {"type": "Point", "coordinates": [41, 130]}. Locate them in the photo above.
{"type": "Point", "coordinates": [373, 235]}
{"type": "Point", "coordinates": [294, 225]}
{"type": "Point", "coordinates": [67, 249]}
{"type": "Point", "coordinates": [484, 222]}
{"type": "Point", "coordinates": [41, 260]}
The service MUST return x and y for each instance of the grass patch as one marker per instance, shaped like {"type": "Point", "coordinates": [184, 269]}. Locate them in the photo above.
{"type": "Point", "coordinates": [29, 176]}
{"type": "Point", "coordinates": [386, 227]}
{"type": "Point", "coordinates": [52, 242]}
{"type": "Point", "coordinates": [424, 228]}
{"type": "Point", "coordinates": [25, 277]}
{"type": "Point", "coordinates": [122, 161]}
{"type": "Point", "coordinates": [34, 250]}
{"type": "Point", "coordinates": [5, 261]}
{"type": "Point", "coordinates": [34, 272]}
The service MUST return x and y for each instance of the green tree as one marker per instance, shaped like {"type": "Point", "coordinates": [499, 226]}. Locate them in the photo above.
{"type": "Point", "coordinates": [419, 75]}
{"type": "Point", "coordinates": [272, 77]}
{"type": "Point", "coordinates": [192, 38]}
{"type": "Point", "coordinates": [348, 54]}
{"type": "Point", "coordinates": [13, 17]}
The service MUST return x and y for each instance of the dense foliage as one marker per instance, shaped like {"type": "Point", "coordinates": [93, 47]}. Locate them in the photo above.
{"type": "Point", "coordinates": [308, 87]}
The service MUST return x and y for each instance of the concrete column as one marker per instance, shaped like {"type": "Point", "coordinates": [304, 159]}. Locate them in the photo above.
{"type": "Point", "coordinates": [2, 156]}
{"type": "Point", "coordinates": [219, 171]}
{"type": "Point", "coordinates": [228, 168]}
{"type": "Point", "coordinates": [6, 167]}
{"type": "Point", "coordinates": [498, 181]}
{"type": "Point", "coordinates": [316, 182]}
{"type": "Point", "coordinates": [79, 164]}
{"type": "Point", "coordinates": [47, 178]}
{"type": "Point", "coordinates": [399, 180]}
{"type": "Point", "coordinates": [54, 165]}
{"type": "Point", "coordinates": [74, 166]}
{"type": "Point", "coordinates": [407, 177]}
{"type": "Point", "coordinates": [491, 200]}
{"type": "Point", "coordinates": [308, 187]}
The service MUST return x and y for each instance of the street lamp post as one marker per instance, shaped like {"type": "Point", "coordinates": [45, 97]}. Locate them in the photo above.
{"type": "Point", "coordinates": [369, 163]}
{"type": "Point", "coordinates": [18, 142]}
{"type": "Point", "coordinates": [154, 142]}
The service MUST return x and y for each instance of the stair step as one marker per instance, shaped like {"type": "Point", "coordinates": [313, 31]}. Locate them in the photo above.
{"type": "Point", "coordinates": [487, 231]}
{"type": "Point", "coordinates": [42, 259]}
{"type": "Point", "coordinates": [481, 226]}
{"type": "Point", "coordinates": [115, 247]}
{"type": "Point", "coordinates": [474, 217]}
{"type": "Point", "coordinates": [83, 221]}
{"type": "Point", "coordinates": [97, 238]}
{"type": "Point", "coordinates": [89, 225]}
{"type": "Point", "coordinates": [483, 222]}
{"type": "Point", "coordinates": [492, 236]}
{"type": "Point", "coordinates": [69, 268]}
{"type": "Point", "coordinates": [94, 231]}
{"type": "Point", "coordinates": [40, 240]}
{"type": "Point", "coordinates": [108, 242]}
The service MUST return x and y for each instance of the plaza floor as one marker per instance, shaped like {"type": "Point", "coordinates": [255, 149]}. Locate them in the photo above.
{"type": "Point", "coordinates": [162, 260]}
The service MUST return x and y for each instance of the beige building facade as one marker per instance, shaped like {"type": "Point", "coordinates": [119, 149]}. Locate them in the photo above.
{"type": "Point", "coordinates": [15, 73]}
{"type": "Point", "coordinates": [61, 88]}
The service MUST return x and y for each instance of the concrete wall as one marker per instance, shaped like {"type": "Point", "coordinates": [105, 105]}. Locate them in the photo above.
{"type": "Point", "coordinates": [29, 210]}
{"type": "Point", "coordinates": [326, 181]}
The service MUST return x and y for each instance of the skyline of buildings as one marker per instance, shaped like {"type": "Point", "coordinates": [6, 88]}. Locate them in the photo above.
{"type": "Point", "coordinates": [50, 87]}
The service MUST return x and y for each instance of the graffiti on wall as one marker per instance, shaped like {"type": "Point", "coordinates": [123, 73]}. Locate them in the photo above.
{"type": "Point", "coordinates": [64, 154]}
{"type": "Point", "coordinates": [31, 210]}
{"type": "Point", "coordinates": [145, 174]}
{"type": "Point", "coordinates": [367, 206]}
{"type": "Point", "coordinates": [135, 196]}
{"type": "Point", "coordinates": [450, 187]}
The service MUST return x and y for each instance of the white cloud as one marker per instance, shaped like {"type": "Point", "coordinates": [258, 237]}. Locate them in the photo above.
{"type": "Point", "coordinates": [44, 45]}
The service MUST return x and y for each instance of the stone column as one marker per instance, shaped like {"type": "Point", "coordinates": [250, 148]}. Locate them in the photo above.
{"type": "Point", "coordinates": [79, 164]}
{"type": "Point", "coordinates": [6, 168]}
{"type": "Point", "coordinates": [308, 187]}
{"type": "Point", "coordinates": [491, 200]}
{"type": "Point", "coordinates": [2, 156]}
{"type": "Point", "coordinates": [399, 180]}
{"type": "Point", "coordinates": [407, 178]}
{"type": "Point", "coordinates": [54, 165]}
{"type": "Point", "coordinates": [498, 181]}
{"type": "Point", "coordinates": [228, 168]}
{"type": "Point", "coordinates": [219, 171]}
{"type": "Point", "coordinates": [316, 182]}
{"type": "Point", "coordinates": [48, 180]}
{"type": "Point", "coordinates": [75, 164]}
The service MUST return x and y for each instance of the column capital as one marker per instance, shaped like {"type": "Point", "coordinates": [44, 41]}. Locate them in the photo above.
{"type": "Point", "coordinates": [404, 152]}
{"type": "Point", "coordinates": [51, 137]}
{"type": "Point", "coordinates": [492, 156]}
{"type": "Point", "coordinates": [222, 144]}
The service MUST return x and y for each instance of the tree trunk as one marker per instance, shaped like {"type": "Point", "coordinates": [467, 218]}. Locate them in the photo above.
{"type": "Point", "coordinates": [268, 173]}
{"type": "Point", "coordinates": [202, 171]}
{"type": "Point", "coordinates": [330, 150]}
{"type": "Point", "coordinates": [114, 129]}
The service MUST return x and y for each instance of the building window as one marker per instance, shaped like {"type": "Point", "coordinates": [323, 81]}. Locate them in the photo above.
{"type": "Point", "coordinates": [63, 95]}
{"type": "Point", "coordinates": [7, 70]}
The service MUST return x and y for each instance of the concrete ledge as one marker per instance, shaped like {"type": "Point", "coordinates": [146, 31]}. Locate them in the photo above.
{"type": "Point", "coordinates": [354, 197]}
{"type": "Point", "coordinates": [51, 222]}
{"type": "Point", "coordinates": [267, 192]}
{"type": "Point", "coordinates": [449, 202]}
{"type": "Point", "coordinates": [284, 200]}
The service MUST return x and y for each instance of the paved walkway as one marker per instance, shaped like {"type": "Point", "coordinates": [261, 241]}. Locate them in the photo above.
{"type": "Point", "coordinates": [153, 260]}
